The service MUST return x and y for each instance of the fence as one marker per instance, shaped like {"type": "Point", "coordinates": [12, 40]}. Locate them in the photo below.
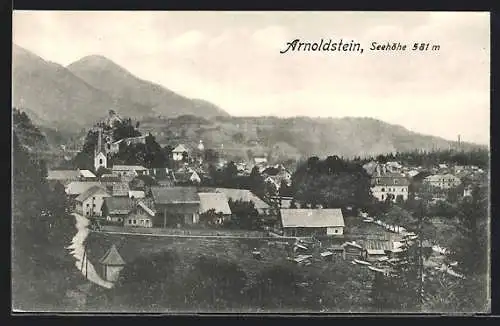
{"type": "Point", "coordinates": [185, 232]}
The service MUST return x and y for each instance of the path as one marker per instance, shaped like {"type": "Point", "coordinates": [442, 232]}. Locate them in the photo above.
{"type": "Point", "coordinates": [77, 251]}
{"type": "Point", "coordinates": [191, 236]}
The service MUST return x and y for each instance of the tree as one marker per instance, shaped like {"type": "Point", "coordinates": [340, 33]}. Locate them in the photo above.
{"type": "Point", "coordinates": [244, 214]}
{"type": "Point", "coordinates": [41, 231]}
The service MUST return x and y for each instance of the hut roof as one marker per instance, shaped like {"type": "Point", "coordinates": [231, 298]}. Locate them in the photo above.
{"type": "Point", "coordinates": [112, 257]}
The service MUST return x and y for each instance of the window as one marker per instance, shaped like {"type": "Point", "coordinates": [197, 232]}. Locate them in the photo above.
{"type": "Point", "coordinates": [93, 198]}
{"type": "Point", "coordinates": [395, 181]}
{"type": "Point", "coordinates": [93, 205]}
{"type": "Point", "coordinates": [142, 221]}
{"type": "Point", "coordinates": [336, 231]}
{"type": "Point", "coordinates": [100, 161]}
{"type": "Point", "coordinates": [135, 221]}
{"type": "Point", "coordinates": [129, 221]}
{"type": "Point", "coordinates": [383, 189]}
{"type": "Point", "coordinates": [382, 197]}
{"type": "Point", "coordinates": [88, 204]}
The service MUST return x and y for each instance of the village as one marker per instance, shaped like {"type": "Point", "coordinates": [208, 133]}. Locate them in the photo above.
{"type": "Point", "coordinates": [164, 202]}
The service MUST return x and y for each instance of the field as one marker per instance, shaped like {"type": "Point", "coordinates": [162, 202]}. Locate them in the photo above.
{"type": "Point", "coordinates": [338, 274]}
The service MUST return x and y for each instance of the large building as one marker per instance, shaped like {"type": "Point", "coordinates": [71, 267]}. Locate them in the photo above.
{"type": "Point", "coordinates": [309, 222]}
{"type": "Point", "coordinates": [443, 181]}
{"type": "Point", "coordinates": [389, 185]}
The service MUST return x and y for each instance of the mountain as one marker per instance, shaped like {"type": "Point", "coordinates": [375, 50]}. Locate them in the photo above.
{"type": "Point", "coordinates": [57, 97]}
{"type": "Point", "coordinates": [293, 138]}
{"type": "Point", "coordinates": [115, 80]}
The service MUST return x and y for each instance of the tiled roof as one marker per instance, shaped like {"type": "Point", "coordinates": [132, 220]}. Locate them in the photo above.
{"type": "Point", "coordinates": [390, 179]}
{"type": "Point", "coordinates": [90, 192]}
{"type": "Point", "coordinates": [78, 187]}
{"type": "Point", "coordinates": [120, 189]}
{"type": "Point", "coordinates": [63, 175]}
{"type": "Point", "coordinates": [312, 217]}
{"type": "Point", "coordinates": [118, 205]}
{"type": "Point", "coordinates": [128, 168]}
{"type": "Point", "coordinates": [214, 200]}
{"type": "Point", "coordinates": [175, 195]}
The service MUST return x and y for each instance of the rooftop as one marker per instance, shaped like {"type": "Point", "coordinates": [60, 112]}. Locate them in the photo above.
{"type": "Point", "coordinates": [214, 200]}
{"type": "Point", "coordinates": [128, 168]}
{"type": "Point", "coordinates": [243, 195]}
{"type": "Point", "coordinates": [312, 217]}
{"type": "Point", "coordinates": [63, 175]}
{"type": "Point", "coordinates": [112, 257]}
{"type": "Point", "coordinates": [90, 192]}
{"type": "Point", "coordinates": [175, 195]}
{"type": "Point", "coordinates": [78, 187]}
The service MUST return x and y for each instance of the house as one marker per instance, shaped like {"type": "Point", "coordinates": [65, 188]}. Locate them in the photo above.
{"type": "Point", "coordinates": [129, 170]}
{"type": "Point", "coordinates": [183, 177]}
{"type": "Point", "coordinates": [468, 191]}
{"type": "Point", "coordinates": [308, 222]}
{"type": "Point", "coordinates": [179, 152]}
{"type": "Point", "coordinates": [89, 203]}
{"type": "Point", "coordinates": [383, 185]}
{"type": "Point", "coordinates": [443, 181]}
{"type": "Point", "coordinates": [246, 195]}
{"type": "Point", "coordinates": [260, 160]}
{"type": "Point", "coordinates": [216, 201]}
{"type": "Point", "coordinates": [140, 216]}
{"type": "Point", "coordinates": [112, 264]}
{"type": "Point", "coordinates": [352, 250]}
{"type": "Point", "coordinates": [175, 206]}
{"type": "Point", "coordinates": [116, 209]}
{"type": "Point", "coordinates": [393, 167]}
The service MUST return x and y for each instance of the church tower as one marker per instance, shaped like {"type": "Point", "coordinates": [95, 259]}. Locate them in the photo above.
{"type": "Point", "coordinates": [100, 159]}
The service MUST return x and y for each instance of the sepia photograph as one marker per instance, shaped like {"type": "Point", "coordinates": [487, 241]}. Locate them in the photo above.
{"type": "Point", "coordinates": [250, 162]}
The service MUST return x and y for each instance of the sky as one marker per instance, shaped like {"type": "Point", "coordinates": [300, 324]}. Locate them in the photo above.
{"type": "Point", "coordinates": [233, 59]}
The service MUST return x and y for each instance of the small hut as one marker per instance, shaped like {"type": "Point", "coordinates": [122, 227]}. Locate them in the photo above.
{"type": "Point", "coordinates": [112, 264]}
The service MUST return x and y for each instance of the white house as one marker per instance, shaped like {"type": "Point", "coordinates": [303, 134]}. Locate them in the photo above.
{"type": "Point", "coordinates": [308, 222]}
{"type": "Point", "coordinates": [389, 184]}
{"type": "Point", "coordinates": [179, 152]}
{"type": "Point", "coordinates": [443, 181]}
{"type": "Point", "coordinates": [89, 203]}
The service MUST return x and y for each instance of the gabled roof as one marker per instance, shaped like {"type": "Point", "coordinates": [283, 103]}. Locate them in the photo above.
{"type": "Point", "coordinates": [243, 195]}
{"type": "Point", "coordinates": [119, 205]}
{"type": "Point", "coordinates": [175, 195]}
{"type": "Point", "coordinates": [128, 168]}
{"type": "Point", "coordinates": [63, 175]}
{"type": "Point", "coordinates": [179, 149]}
{"type": "Point", "coordinates": [78, 187]}
{"type": "Point", "coordinates": [110, 178]}
{"type": "Point", "coordinates": [390, 179]}
{"type": "Point", "coordinates": [312, 217]}
{"type": "Point", "coordinates": [90, 192]}
{"type": "Point", "coordinates": [214, 200]}
{"type": "Point", "coordinates": [87, 174]}
{"type": "Point", "coordinates": [112, 257]}
{"type": "Point", "coordinates": [148, 210]}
